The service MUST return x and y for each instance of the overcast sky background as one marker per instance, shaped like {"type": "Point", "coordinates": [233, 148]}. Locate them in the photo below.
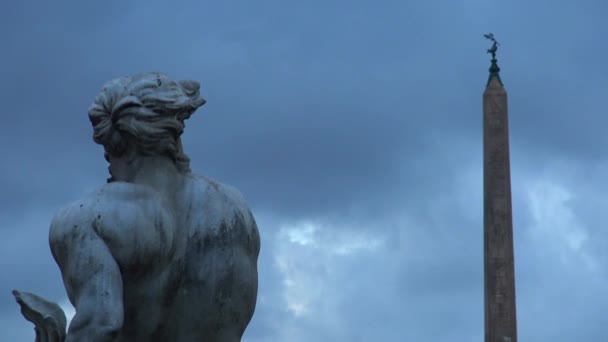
{"type": "Point", "coordinates": [353, 128]}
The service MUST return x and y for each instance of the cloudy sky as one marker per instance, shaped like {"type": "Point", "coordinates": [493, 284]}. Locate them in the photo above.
{"type": "Point", "coordinates": [353, 128]}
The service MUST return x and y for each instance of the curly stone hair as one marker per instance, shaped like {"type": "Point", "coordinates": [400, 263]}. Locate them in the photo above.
{"type": "Point", "coordinates": [146, 112]}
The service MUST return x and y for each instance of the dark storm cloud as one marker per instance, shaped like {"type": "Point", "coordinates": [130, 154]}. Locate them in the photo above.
{"type": "Point", "coordinates": [310, 87]}
{"type": "Point", "coordinates": [317, 115]}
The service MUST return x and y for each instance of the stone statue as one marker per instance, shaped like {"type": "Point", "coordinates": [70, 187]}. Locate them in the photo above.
{"type": "Point", "coordinates": [495, 44]}
{"type": "Point", "coordinates": [157, 253]}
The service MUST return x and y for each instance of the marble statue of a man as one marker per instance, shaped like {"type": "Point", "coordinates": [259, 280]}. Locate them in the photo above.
{"type": "Point", "coordinates": [157, 253]}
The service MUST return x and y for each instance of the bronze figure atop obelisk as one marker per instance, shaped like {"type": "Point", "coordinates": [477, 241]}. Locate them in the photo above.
{"type": "Point", "coordinates": [499, 270]}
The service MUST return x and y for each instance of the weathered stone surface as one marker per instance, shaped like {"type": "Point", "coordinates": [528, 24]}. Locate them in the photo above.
{"type": "Point", "coordinates": [157, 253]}
{"type": "Point", "coordinates": [499, 273]}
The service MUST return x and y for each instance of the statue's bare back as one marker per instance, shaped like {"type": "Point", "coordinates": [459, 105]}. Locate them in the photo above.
{"type": "Point", "coordinates": [191, 276]}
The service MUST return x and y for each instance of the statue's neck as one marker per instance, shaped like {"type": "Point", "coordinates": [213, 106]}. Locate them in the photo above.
{"type": "Point", "coordinates": [157, 172]}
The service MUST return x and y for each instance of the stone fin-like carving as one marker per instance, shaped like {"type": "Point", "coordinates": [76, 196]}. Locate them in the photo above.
{"type": "Point", "coordinates": [48, 318]}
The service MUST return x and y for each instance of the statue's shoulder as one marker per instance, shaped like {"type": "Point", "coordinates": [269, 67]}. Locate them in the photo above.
{"type": "Point", "coordinates": [221, 208]}
{"type": "Point", "coordinates": [208, 189]}
{"type": "Point", "coordinates": [106, 199]}
{"type": "Point", "coordinates": [223, 199]}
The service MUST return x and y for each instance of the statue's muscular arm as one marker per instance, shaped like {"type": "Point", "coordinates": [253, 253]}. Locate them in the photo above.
{"type": "Point", "coordinates": [91, 276]}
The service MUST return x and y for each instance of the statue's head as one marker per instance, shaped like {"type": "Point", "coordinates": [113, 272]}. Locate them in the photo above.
{"type": "Point", "coordinates": [144, 114]}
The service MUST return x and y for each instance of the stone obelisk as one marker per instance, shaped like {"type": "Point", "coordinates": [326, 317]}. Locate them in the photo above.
{"type": "Point", "coordinates": [499, 270]}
